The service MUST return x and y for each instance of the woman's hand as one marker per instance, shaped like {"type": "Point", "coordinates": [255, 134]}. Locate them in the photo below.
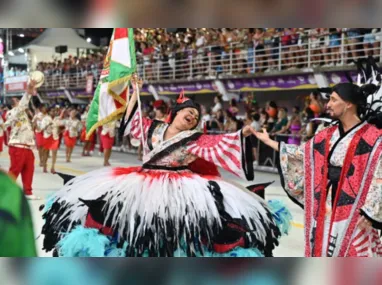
{"type": "Point", "coordinates": [263, 136]}
{"type": "Point", "coordinates": [247, 131]}
{"type": "Point", "coordinates": [136, 80]}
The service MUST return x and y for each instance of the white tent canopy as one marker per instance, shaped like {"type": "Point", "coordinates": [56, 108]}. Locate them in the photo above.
{"type": "Point", "coordinates": [42, 48]}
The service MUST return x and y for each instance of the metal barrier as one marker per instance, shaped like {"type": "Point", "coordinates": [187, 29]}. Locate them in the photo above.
{"type": "Point", "coordinates": [237, 58]}
{"type": "Point", "coordinates": [266, 157]}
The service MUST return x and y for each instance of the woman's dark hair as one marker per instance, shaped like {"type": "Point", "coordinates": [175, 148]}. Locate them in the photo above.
{"type": "Point", "coordinates": [219, 98]}
{"type": "Point", "coordinates": [233, 102]}
{"type": "Point", "coordinates": [316, 94]}
{"type": "Point", "coordinates": [163, 109]}
{"type": "Point", "coordinates": [256, 117]}
{"type": "Point", "coordinates": [309, 113]}
{"type": "Point", "coordinates": [272, 104]}
{"type": "Point", "coordinates": [230, 115]}
{"type": "Point", "coordinates": [265, 114]}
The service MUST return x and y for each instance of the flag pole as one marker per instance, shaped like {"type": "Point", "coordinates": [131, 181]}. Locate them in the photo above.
{"type": "Point", "coordinates": [140, 115]}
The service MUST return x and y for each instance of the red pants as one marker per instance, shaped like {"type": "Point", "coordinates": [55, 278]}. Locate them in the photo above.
{"type": "Point", "coordinates": [22, 162]}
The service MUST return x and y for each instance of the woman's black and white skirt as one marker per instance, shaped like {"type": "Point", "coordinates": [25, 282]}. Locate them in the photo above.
{"type": "Point", "coordinates": [140, 212]}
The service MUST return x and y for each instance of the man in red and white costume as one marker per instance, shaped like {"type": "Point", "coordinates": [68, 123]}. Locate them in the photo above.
{"type": "Point", "coordinates": [22, 141]}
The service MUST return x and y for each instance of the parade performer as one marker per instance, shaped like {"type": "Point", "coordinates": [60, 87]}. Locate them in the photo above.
{"type": "Point", "coordinates": [72, 129]}
{"type": "Point", "coordinates": [107, 138]}
{"type": "Point", "coordinates": [89, 144]}
{"type": "Point", "coordinates": [337, 176]}
{"type": "Point", "coordinates": [51, 127]}
{"type": "Point", "coordinates": [176, 204]}
{"type": "Point", "coordinates": [36, 122]}
{"type": "Point", "coordinates": [21, 141]}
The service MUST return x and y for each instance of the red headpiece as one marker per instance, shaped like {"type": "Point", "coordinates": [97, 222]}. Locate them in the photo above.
{"type": "Point", "coordinates": [181, 103]}
{"type": "Point", "coordinates": [158, 103]}
{"type": "Point", "coordinates": [182, 98]}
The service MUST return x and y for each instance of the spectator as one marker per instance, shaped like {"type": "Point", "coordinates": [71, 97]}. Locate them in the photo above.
{"type": "Point", "coordinates": [218, 104]}
{"type": "Point", "coordinates": [370, 44]}
{"type": "Point", "coordinates": [314, 35]}
{"type": "Point", "coordinates": [206, 117]}
{"type": "Point", "coordinates": [294, 127]}
{"type": "Point", "coordinates": [280, 125]}
{"type": "Point", "coordinates": [268, 39]}
{"type": "Point", "coordinates": [233, 107]}
{"type": "Point", "coordinates": [353, 38]}
{"type": "Point", "coordinates": [264, 118]}
{"type": "Point", "coordinates": [160, 110]}
{"type": "Point", "coordinates": [325, 47]}
{"type": "Point", "coordinates": [258, 45]}
{"type": "Point", "coordinates": [286, 41]}
{"type": "Point", "coordinates": [271, 109]}
{"type": "Point", "coordinates": [256, 123]}
{"type": "Point", "coordinates": [293, 50]}
{"type": "Point", "coordinates": [309, 126]}
{"type": "Point", "coordinates": [257, 127]}
{"type": "Point", "coordinates": [200, 43]}
{"type": "Point", "coordinates": [334, 45]}
{"type": "Point", "coordinates": [316, 104]}
{"type": "Point", "coordinates": [231, 123]}
{"type": "Point", "coordinates": [216, 123]}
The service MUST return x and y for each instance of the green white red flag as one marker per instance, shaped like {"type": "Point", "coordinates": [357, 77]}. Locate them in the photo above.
{"type": "Point", "coordinates": [112, 94]}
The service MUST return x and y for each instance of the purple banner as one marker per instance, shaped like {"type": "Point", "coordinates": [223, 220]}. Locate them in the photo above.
{"type": "Point", "coordinates": [336, 77]}
{"type": "Point", "coordinates": [144, 90]}
{"type": "Point", "coordinates": [302, 81]}
{"type": "Point", "coordinates": [81, 94]}
{"type": "Point", "coordinates": [57, 94]}
{"type": "Point", "coordinates": [188, 87]}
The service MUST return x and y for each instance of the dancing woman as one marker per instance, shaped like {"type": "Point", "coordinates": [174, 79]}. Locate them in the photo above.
{"type": "Point", "coordinates": [175, 204]}
{"type": "Point", "coordinates": [72, 129]}
{"type": "Point", "coordinates": [107, 138]}
{"type": "Point", "coordinates": [51, 129]}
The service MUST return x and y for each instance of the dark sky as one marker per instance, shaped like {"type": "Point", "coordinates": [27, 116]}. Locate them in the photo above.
{"type": "Point", "coordinates": [97, 34]}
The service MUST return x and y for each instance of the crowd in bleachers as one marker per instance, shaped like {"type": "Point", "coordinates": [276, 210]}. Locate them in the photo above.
{"type": "Point", "coordinates": [226, 50]}
{"type": "Point", "coordinates": [253, 50]}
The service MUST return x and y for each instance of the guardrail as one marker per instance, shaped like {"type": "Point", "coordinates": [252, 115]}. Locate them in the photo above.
{"type": "Point", "coordinates": [233, 59]}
